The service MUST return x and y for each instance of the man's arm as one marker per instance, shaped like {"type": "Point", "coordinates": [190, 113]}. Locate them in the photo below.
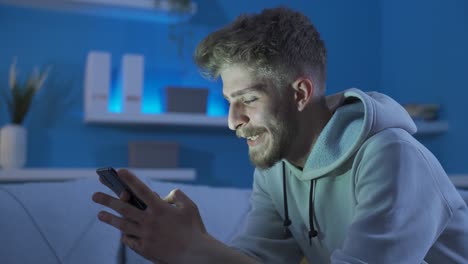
{"type": "Point", "coordinates": [215, 252]}
{"type": "Point", "coordinates": [169, 230]}
{"type": "Point", "coordinates": [400, 210]}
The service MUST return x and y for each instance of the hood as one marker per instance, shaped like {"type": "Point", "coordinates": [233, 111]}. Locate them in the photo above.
{"type": "Point", "coordinates": [357, 116]}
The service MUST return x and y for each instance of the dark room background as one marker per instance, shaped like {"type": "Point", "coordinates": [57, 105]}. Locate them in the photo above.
{"type": "Point", "coordinates": [415, 51]}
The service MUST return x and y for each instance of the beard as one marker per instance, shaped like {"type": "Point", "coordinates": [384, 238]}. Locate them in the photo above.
{"type": "Point", "coordinates": [278, 135]}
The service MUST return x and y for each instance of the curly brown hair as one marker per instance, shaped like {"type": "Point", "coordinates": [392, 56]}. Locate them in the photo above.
{"type": "Point", "coordinates": [278, 43]}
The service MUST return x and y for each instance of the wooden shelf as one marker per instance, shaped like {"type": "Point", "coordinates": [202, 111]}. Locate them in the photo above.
{"type": "Point", "coordinates": [431, 127]}
{"type": "Point", "coordinates": [61, 174]}
{"type": "Point", "coordinates": [168, 119]}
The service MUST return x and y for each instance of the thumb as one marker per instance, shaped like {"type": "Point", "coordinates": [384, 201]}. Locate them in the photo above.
{"type": "Point", "coordinates": [181, 200]}
{"type": "Point", "coordinates": [178, 198]}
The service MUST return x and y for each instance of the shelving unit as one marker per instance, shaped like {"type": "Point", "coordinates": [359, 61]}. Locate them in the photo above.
{"type": "Point", "coordinates": [424, 127]}
{"type": "Point", "coordinates": [431, 127]}
{"type": "Point", "coordinates": [147, 10]}
{"type": "Point", "coordinates": [460, 180]}
{"type": "Point", "coordinates": [62, 174]}
{"type": "Point", "coordinates": [167, 118]}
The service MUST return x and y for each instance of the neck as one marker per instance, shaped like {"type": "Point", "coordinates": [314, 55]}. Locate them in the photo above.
{"type": "Point", "coordinates": [311, 123]}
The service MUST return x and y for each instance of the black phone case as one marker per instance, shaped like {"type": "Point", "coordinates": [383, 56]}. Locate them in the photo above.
{"type": "Point", "coordinates": [109, 175]}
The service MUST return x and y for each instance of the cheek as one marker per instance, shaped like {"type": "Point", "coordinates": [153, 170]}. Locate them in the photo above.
{"type": "Point", "coordinates": [262, 114]}
{"type": "Point", "coordinates": [262, 119]}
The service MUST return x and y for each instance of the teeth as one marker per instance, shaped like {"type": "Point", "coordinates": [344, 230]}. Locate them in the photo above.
{"type": "Point", "coordinates": [253, 138]}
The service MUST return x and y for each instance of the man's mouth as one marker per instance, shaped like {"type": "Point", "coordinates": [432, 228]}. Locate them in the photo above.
{"type": "Point", "coordinates": [254, 140]}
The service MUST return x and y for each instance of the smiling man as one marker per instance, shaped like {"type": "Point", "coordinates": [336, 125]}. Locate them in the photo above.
{"type": "Point", "coordinates": [338, 179]}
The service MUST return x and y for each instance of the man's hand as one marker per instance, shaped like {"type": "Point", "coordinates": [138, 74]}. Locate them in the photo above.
{"type": "Point", "coordinates": [168, 231]}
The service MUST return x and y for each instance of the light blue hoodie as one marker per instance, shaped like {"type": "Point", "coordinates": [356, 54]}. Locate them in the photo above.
{"type": "Point", "coordinates": [372, 192]}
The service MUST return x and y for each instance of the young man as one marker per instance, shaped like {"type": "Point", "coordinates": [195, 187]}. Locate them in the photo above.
{"type": "Point", "coordinates": [338, 179]}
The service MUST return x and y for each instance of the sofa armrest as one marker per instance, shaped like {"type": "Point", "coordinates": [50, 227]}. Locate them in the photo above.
{"type": "Point", "coordinates": [55, 222]}
{"type": "Point", "coordinates": [21, 240]}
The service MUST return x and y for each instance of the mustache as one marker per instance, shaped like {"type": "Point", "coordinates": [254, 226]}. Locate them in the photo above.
{"type": "Point", "coordinates": [249, 132]}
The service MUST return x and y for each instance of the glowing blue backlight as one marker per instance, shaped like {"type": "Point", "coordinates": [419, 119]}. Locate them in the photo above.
{"type": "Point", "coordinates": [216, 106]}
{"type": "Point", "coordinates": [152, 101]}
{"type": "Point", "coordinates": [154, 95]}
{"type": "Point", "coordinates": [115, 98]}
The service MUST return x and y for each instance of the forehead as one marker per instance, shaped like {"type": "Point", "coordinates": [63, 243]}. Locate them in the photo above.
{"type": "Point", "coordinates": [236, 78]}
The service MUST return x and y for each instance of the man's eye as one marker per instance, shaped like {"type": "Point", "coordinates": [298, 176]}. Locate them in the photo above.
{"type": "Point", "coordinates": [250, 100]}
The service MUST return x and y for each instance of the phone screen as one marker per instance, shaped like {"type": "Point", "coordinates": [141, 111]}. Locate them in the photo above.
{"type": "Point", "coordinates": [109, 175]}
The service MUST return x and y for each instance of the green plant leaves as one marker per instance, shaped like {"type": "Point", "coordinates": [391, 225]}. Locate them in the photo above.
{"type": "Point", "coordinates": [19, 101]}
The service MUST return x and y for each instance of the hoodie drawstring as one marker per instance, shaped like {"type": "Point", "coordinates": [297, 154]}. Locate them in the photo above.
{"type": "Point", "coordinates": [312, 231]}
{"type": "Point", "coordinates": [287, 222]}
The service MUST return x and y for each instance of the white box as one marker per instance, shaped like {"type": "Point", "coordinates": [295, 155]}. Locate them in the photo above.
{"type": "Point", "coordinates": [97, 82]}
{"type": "Point", "coordinates": [132, 83]}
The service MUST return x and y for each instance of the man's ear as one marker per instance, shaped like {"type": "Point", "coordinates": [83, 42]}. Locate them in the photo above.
{"type": "Point", "coordinates": [303, 92]}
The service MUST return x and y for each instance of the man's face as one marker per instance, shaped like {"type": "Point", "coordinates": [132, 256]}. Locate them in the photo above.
{"type": "Point", "coordinates": [260, 113]}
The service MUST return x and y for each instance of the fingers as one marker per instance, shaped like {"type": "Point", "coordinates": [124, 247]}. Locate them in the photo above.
{"type": "Point", "coordinates": [125, 209]}
{"type": "Point", "coordinates": [124, 196]}
{"type": "Point", "coordinates": [126, 226]}
{"type": "Point", "coordinates": [182, 201]}
{"type": "Point", "coordinates": [140, 189]}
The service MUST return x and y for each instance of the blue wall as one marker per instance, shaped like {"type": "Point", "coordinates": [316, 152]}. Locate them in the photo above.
{"type": "Point", "coordinates": [425, 60]}
{"type": "Point", "coordinates": [393, 46]}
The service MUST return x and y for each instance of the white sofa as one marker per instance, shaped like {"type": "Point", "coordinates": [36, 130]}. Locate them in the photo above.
{"type": "Point", "coordinates": [56, 222]}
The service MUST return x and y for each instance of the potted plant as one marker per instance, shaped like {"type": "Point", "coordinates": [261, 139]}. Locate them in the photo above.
{"type": "Point", "coordinates": [18, 98]}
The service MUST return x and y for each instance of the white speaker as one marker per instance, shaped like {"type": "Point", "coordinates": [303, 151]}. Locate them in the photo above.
{"type": "Point", "coordinates": [97, 82]}
{"type": "Point", "coordinates": [132, 83]}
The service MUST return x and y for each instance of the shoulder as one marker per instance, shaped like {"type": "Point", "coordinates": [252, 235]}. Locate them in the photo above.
{"type": "Point", "coordinates": [393, 157]}
{"type": "Point", "coordinates": [395, 162]}
{"type": "Point", "coordinates": [392, 141]}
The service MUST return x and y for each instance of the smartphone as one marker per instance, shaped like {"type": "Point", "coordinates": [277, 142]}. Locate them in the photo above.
{"type": "Point", "coordinates": [109, 175]}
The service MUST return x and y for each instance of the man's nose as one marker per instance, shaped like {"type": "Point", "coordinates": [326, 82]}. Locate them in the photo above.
{"type": "Point", "coordinates": [236, 117]}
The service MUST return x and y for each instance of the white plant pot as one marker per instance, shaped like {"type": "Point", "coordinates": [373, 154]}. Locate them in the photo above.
{"type": "Point", "coordinates": [13, 146]}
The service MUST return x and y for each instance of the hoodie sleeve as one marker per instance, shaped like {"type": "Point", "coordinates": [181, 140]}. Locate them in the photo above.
{"type": "Point", "coordinates": [400, 210]}
{"type": "Point", "coordinates": [263, 237]}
